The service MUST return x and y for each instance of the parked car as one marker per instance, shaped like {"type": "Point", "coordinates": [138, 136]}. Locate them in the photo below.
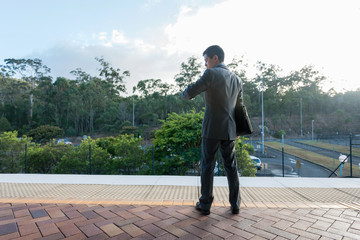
{"type": "Point", "coordinates": [66, 141]}
{"type": "Point", "coordinates": [257, 162]}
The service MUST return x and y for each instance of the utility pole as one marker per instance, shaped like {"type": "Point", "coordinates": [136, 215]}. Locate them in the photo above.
{"type": "Point", "coordinates": [262, 115]}
{"type": "Point", "coordinates": [301, 130]}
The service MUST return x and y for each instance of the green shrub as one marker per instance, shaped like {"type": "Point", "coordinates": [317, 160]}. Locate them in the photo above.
{"type": "Point", "coordinates": [177, 144]}
{"type": "Point", "coordinates": [245, 163]}
{"type": "Point", "coordinates": [44, 159]}
{"type": "Point", "coordinates": [4, 124]}
{"type": "Point", "coordinates": [77, 161]}
{"type": "Point", "coordinates": [130, 156]}
{"type": "Point", "coordinates": [12, 151]}
{"type": "Point", "coordinates": [45, 133]}
{"type": "Point", "coordinates": [279, 134]}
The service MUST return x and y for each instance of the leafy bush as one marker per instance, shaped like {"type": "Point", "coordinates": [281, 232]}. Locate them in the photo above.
{"type": "Point", "coordinates": [45, 133]}
{"type": "Point", "coordinates": [45, 159]}
{"type": "Point", "coordinates": [4, 124]}
{"type": "Point", "coordinates": [77, 161]}
{"type": "Point", "coordinates": [130, 156]}
{"type": "Point", "coordinates": [12, 151]}
{"type": "Point", "coordinates": [245, 163]}
{"type": "Point", "coordinates": [177, 143]}
{"type": "Point", "coordinates": [279, 134]}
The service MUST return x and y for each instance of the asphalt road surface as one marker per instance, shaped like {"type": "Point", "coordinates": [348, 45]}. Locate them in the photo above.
{"type": "Point", "coordinates": [272, 166]}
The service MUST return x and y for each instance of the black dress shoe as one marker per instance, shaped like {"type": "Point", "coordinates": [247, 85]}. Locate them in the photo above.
{"type": "Point", "coordinates": [235, 210]}
{"type": "Point", "coordinates": [203, 211]}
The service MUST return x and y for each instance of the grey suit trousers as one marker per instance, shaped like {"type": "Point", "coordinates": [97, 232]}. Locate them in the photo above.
{"type": "Point", "coordinates": [209, 149]}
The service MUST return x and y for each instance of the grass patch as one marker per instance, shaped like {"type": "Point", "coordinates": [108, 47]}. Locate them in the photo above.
{"type": "Point", "coordinates": [338, 148]}
{"type": "Point", "coordinates": [314, 157]}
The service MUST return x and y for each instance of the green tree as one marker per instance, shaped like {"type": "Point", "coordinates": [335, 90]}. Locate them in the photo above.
{"type": "Point", "coordinates": [31, 70]}
{"type": "Point", "coordinates": [189, 73]}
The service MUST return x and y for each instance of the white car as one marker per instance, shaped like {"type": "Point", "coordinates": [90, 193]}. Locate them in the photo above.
{"type": "Point", "coordinates": [257, 162]}
{"type": "Point", "coordinates": [64, 141]}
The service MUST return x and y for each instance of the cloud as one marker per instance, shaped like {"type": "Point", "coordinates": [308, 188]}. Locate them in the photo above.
{"type": "Point", "coordinates": [141, 59]}
{"type": "Point", "coordinates": [291, 34]}
{"type": "Point", "coordinates": [118, 37]}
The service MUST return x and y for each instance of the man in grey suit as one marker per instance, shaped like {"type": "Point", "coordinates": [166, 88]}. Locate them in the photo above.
{"type": "Point", "coordinates": [222, 89]}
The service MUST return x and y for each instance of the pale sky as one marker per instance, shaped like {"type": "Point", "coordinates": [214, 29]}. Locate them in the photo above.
{"type": "Point", "coordinates": [151, 38]}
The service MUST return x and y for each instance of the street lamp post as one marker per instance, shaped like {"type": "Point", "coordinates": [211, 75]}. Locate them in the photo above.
{"type": "Point", "coordinates": [262, 115]}
{"type": "Point", "coordinates": [301, 130]}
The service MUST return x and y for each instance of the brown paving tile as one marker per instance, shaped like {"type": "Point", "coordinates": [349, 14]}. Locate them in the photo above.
{"type": "Point", "coordinates": [125, 214]}
{"type": "Point", "coordinates": [175, 230]}
{"type": "Point", "coordinates": [71, 221]}
{"type": "Point", "coordinates": [101, 236]}
{"type": "Point", "coordinates": [90, 214]}
{"type": "Point", "coordinates": [69, 230]}
{"type": "Point", "coordinates": [6, 212]}
{"type": "Point", "coordinates": [38, 213]}
{"type": "Point", "coordinates": [107, 214]}
{"type": "Point", "coordinates": [196, 231]}
{"type": "Point", "coordinates": [79, 236]}
{"type": "Point", "coordinates": [111, 230]}
{"type": "Point", "coordinates": [21, 213]}
{"type": "Point", "coordinates": [4, 218]}
{"type": "Point", "coordinates": [186, 222]}
{"type": "Point", "coordinates": [90, 230]}
{"type": "Point", "coordinates": [261, 233]}
{"type": "Point", "coordinates": [55, 236]}
{"type": "Point", "coordinates": [147, 221]}
{"type": "Point", "coordinates": [55, 213]}
{"type": "Point", "coordinates": [139, 209]}
{"type": "Point", "coordinates": [48, 229]}
{"type": "Point", "coordinates": [166, 236]}
{"type": "Point", "coordinates": [166, 222]}
{"type": "Point", "coordinates": [8, 228]}
{"type": "Point", "coordinates": [32, 236]}
{"type": "Point", "coordinates": [132, 230]}
{"type": "Point", "coordinates": [49, 221]}
{"type": "Point", "coordinates": [72, 214]}
{"type": "Point", "coordinates": [9, 236]}
{"type": "Point", "coordinates": [153, 230]}
{"type": "Point", "coordinates": [88, 222]}
{"type": "Point", "coordinates": [28, 229]}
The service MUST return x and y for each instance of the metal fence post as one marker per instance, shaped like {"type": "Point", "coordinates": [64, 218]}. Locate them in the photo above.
{"type": "Point", "coordinates": [25, 157]}
{"type": "Point", "coordinates": [282, 155]}
{"type": "Point", "coordinates": [89, 159]}
{"type": "Point", "coordinates": [153, 160]}
{"type": "Point", "coordinates": [351, 155]}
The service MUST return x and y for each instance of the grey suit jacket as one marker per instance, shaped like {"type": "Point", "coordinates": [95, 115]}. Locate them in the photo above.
{"type": "Point", "coordinates": [222, 89]}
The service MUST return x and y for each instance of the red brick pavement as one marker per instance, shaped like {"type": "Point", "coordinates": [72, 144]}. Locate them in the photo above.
{"type": "Point", "coordinates": [81, 221]}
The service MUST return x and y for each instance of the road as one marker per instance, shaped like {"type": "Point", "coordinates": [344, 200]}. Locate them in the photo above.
{"type": "Point", "coordinates": [273, 166]}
